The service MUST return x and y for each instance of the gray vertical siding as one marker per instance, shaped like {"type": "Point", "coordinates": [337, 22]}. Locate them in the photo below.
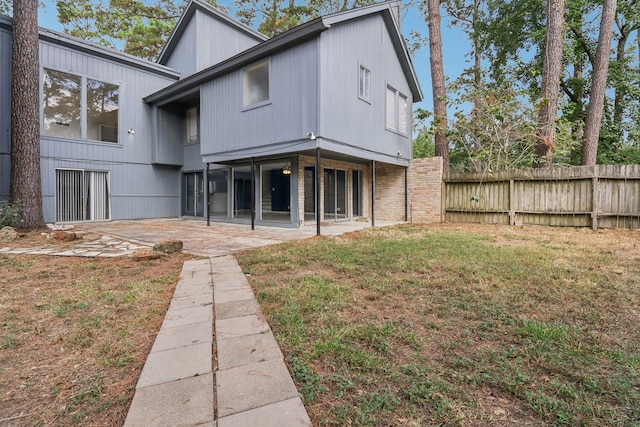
{"type": "Point", "coordinates": [192, 158]}
{"type": "Point", "coordinates": [169, 137]}
{"type": "Point", "coordinates": [344, 116]}
{"type": "Point", "coordinates": [183, 57]}
{"type": "Point", "coordinates": [207, 41]}
{"type": "Point", "coordinates": [221, 41]}
{"type": "Point", "coordinates": [291, 114]}
{"type": "Point", "coordinates": [5, 111]}
{"type": "Point", "coordinates": [138, 189]}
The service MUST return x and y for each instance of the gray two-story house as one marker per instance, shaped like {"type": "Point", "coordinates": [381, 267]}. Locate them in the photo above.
{"type": "Point", "coordinates": [312, 125]}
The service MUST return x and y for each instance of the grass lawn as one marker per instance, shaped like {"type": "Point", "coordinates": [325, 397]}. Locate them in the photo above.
{"type": "Point", "coordinates": [458, 325]}
{"type": "Point", "coordinates": [75, 333]}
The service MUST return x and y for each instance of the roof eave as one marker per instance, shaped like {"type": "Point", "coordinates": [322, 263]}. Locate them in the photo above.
{"type": "Point", "coordinates": [266, 48]}
{"type": "Point", "coordinates": [188, 13]}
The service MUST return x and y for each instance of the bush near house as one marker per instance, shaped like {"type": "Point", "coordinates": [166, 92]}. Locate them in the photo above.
{"type": "Point", "coordinates": [11, 214]}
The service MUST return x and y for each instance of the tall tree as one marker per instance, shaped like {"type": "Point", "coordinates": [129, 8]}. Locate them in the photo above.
{"type": "Point", "coordinates": [437, 82]}
{"type": "Point", "coordinates": [26, 185]}
{"type": "Point", "coordinates": [137, 27]}
{"type": "Point", "coordinates": [598, 85]}
{"type": "Point", "coordinates": [550, 90]}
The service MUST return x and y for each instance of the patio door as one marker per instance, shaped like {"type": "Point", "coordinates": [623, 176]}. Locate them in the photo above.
{"type": "Point", "coordinates": [82, 195]}
{"type": "Point", "coordinates": [335, 194]}
{"type": "Point", "coordinates": [193, 194]}
{"type": "Point", "coordinates": [309, 193]}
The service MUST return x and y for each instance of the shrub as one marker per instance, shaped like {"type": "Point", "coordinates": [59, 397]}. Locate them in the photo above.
{"type": "Point", "coordinates": [11, 214]}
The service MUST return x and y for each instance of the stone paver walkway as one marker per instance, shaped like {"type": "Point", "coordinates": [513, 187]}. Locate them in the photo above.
{"type": "Point", "coordinates": [180, 383]}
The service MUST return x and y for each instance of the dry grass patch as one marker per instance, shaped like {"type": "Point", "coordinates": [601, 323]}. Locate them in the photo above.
{"type": "Point", "coordinates": [74, 335]}
{"type": "Point", "coordinates": [458, 325]}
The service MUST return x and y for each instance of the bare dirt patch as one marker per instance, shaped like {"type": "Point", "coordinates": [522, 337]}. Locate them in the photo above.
{"type": "Point", "coordinates": [75, 333]}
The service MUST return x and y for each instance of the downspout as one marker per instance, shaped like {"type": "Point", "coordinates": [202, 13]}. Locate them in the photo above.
{"type": "Point", "coordinates": [253, 195]}
{"type": "Point", "coordinates": [317, 191]}
{"type": "Point", "coordinates": [406, 194]}
{"type": "Point", "coordinates": [206, 193]}
{"type": "Point", "coordinates": [373, 193]}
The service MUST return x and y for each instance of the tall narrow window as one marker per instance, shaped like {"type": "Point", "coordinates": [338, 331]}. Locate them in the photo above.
{"type": "Point", "coordinates": [391, 109]}
{"type": "Point", "coordinates": [364, 84]}
{"type": "Point", "coordinates": [102, 111]}
{"type": "Point", "coordinates": [61, 109]}
{"type": "Point", "coordinates": [403, 120]}
{"type": "Point", "coordinates": [256, 84]}
{"type": "Point", "coordinates": [192, 125]}
{"type": "Point", "coordinates": [397, 117]}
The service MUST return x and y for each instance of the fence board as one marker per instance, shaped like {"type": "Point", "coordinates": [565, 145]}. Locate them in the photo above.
{"type": "Point", "coordinates": [606, 196]}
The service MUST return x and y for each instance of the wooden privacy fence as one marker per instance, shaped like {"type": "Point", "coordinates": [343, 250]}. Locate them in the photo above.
{"type": "Point", "coordinates": [604, 196]}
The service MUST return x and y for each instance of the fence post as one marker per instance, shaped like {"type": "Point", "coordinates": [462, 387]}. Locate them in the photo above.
{"type": "Point", "coordinates": [594, 202]}
{"type": "Point", "coordinates": [512, 211]}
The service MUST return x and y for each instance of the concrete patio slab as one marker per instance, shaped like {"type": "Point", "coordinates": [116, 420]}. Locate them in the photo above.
{"type": "Point", "coordinates": [178, 303]}
{"type": "Point", "coordinates": [236, 309]}
{"type": "Point", "coordinates": [228, 296]}
{"type": "Point", "coordinates": [176, 364]}
{"type": "Point", "coordinates": [253, 386]}
{"type": "Point", "coordinates": [241, 326]}
{"type": "Point", "coordinates": [183, 336]}
{"type": "Point", "coordinates": [247, 350]}
{"type": "Point", "coordinates": [186, 316]}
{"type": "Point", "coordinates": [187, 402]}
{"type": "Point", "coordinates": [288, 413]}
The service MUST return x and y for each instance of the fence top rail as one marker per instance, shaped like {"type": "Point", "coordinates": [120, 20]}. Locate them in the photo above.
{"type": "Point", "coordinates": [575, 172]}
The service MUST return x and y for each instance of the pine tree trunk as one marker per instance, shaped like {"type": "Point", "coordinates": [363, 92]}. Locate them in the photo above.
{"type": "Point", "coordinates": [437, 80]}
{"type": "Point", "coordinates": [550, 89]}
{"type": "Point", "coordinates": [26, 186]}
{"type": "Point", "coordinates": [595, 109]}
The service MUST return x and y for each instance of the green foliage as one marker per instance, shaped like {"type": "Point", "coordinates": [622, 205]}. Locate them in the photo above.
{"type": "Point", "coordinates": [498, 134]}
{"type": "Point", "coordinates": [11, 214]}
{"type": "Point", "coordinates": [138, 27]}
{"type": "Point", "coordinates": [274, 17]}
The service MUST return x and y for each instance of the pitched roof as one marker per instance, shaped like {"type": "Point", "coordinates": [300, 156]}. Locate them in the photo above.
{"type": "Point", "coordinates": [211, 11]}
{"type": "Point", "coordinates": [292, 37]}
{"type": "Point", "coordinates": [95, 50]}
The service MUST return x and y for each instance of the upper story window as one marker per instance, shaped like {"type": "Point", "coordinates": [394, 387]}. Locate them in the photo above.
{"type": "Point", "coordinates": [397, 117]}
{"type": "Point", "coordinates": [192, 125]}
{"type": "Point", "coordinates": [67, 96]}
{"type": "Point", "coordinates": [256, 84]}
{"type": "Point", "coordinates": [364, 84]}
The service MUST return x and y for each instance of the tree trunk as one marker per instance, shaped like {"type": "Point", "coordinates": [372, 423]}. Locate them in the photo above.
{"type": "Point", "coordinates": [598, 85]}
{"type": "Point", "coordinates": [26, 186]}
{"type": "Point", "coordinates": [550, 90]}
{"type": "Point", "coordinates": [620, 90]}
{"type": "Point", "coordinates": [437, 81]}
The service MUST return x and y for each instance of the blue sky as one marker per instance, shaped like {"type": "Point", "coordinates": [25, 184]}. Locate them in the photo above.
{"type": "Point", "coordinates": [455, 45]}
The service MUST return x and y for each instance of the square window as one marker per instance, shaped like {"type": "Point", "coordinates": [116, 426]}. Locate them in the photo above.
{"type": "Point", "coordinates": [364, 84]}
{"type": "Point", "coordinates": [256, 84]}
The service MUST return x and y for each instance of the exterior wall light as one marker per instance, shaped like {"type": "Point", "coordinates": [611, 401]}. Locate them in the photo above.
{"type": "Point", "coordinates": [311, 136]}
{"type": "Point", "coordinates": [130, 131]}
{"type": "Point", "coordinates": [286, 170]}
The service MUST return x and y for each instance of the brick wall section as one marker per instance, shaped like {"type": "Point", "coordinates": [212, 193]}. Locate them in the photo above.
{"type": "Point", "coordinates": [334, 164]}
{"type": "Point", "coordinates": [425, 190]}
{"type": "Point", "coordinates": [389, 197]}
